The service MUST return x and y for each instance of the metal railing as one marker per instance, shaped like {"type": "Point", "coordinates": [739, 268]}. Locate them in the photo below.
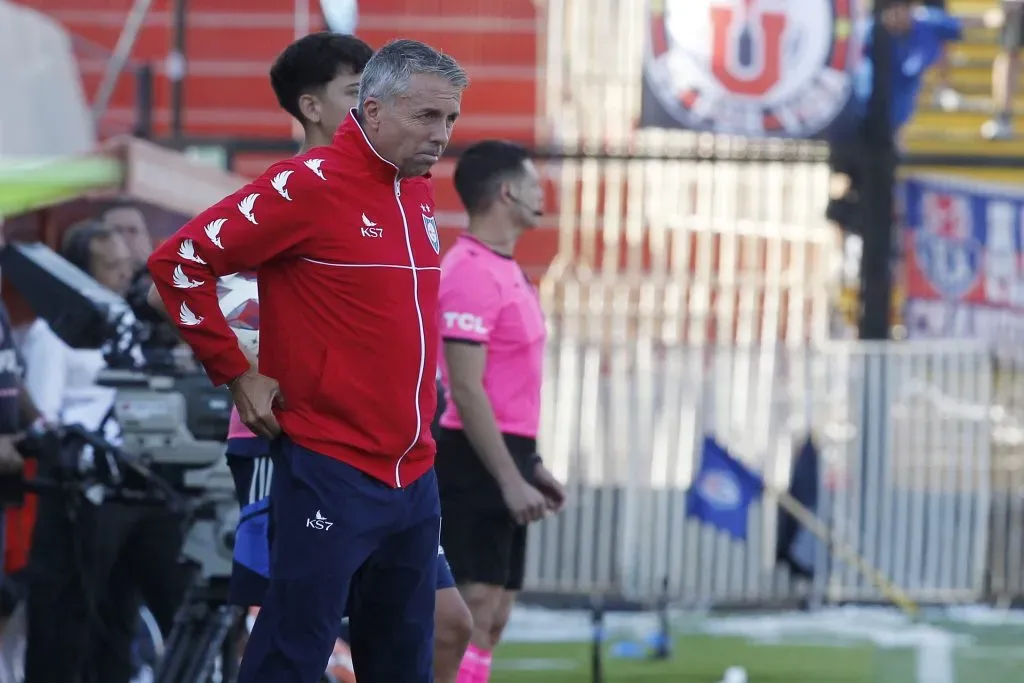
{"type": "Point", "coordinates": [691, 296]}
{"type": "Point", "coordinates": [904, 432]}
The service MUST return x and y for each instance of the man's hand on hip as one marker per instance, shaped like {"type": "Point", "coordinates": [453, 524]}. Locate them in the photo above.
{"type": "Point", "coordinates": [256, 396]}
{"type": "Point", "coordinates": [10, 459]}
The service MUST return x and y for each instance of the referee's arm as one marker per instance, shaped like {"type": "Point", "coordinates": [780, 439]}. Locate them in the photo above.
{"type": "Point", "coordinates": [466, 362]}
{"type": "Point", "coordinates": [469, 303]}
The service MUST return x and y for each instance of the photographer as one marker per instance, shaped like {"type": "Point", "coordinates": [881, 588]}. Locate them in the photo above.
{"type": "Point", "coordinates": [128, 221]}
{"type": "Point", "coordinates": [159, 339]}
{"type": "Point", "coordinates": [90, 564]}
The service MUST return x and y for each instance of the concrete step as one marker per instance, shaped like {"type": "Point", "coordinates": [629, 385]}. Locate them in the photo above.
{"type": "Point", "coordinates": [961, 144]}
{"type": "Point", "coordinates": [930, 117]}
{"type": "Point", "coordinates": [997, 175]}
{"type": "Point", "coordinates": [961, 53]}
{"type": "Point", "coordinates": [969, 6]}
{"type": "Point", "coordinates": [974, 74]}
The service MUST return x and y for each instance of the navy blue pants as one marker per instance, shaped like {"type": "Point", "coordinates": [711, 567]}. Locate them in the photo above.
{"type": "Point", "coordinates": [252, 471]}
{"type": "Point", "coordinates": [332, 522]}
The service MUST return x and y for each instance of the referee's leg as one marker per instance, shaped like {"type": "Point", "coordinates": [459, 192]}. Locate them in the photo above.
{"type": "Point", "coordinates": [326, 518]}
{"type": "Point", "coordinates": [453, 624]}
{"type": "Point", "coordinates": [482, 546]}
{"type": "Point", "coordinates": [392, 618]}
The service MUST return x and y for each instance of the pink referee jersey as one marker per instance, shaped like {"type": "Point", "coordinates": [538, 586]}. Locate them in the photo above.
{"type": "Point", "coordinates": [485, 298]}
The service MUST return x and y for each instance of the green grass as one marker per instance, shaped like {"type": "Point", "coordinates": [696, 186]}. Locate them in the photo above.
{"type": "Point", "coordinates": [702, 659]}
{"type": "Point", "coordinates": [997, 657]}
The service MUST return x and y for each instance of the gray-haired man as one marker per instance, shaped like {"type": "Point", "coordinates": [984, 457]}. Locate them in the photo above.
{"type": "Point", "coordinates": [346, 246]}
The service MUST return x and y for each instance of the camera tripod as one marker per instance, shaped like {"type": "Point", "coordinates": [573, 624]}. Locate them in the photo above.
{"type": "Point", "coordinates": [205, 634]}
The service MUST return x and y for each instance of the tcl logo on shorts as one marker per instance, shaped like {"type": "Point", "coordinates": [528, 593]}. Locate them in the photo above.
{"type": "Point", "coordinates": [467, 322]}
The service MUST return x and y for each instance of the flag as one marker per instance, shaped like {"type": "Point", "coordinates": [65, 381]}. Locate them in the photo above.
{"type": "Point", "coordinates": [795, 546]}
{"type": "Point", "coordinates": [723, 490]}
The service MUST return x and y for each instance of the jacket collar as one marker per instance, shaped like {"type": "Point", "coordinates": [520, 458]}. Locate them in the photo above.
{"type": "Point", "coordinates": [352, 137]}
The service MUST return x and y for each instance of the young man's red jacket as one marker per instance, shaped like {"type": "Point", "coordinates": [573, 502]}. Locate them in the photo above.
{"type": "Point", "coordinates": [347, 255]}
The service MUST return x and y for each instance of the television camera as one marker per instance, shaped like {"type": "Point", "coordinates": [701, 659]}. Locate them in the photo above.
{"type": "Point", "coordinates": [171, 450]}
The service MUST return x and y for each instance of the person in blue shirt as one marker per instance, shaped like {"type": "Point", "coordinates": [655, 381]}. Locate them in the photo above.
{"type": "Point", "coordinates": [919, 35]}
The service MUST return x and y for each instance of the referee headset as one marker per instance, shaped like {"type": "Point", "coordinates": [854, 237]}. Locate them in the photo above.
{"type": "Point", "coordinates": [532, 210]}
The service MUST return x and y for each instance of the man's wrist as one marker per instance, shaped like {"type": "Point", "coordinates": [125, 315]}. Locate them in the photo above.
{"type": "Point", "coordinates": [226, 366]}
{"type": "Point", "coordinates": [508, 477]}
{"type": "Point", "coordinates": [231, 384]}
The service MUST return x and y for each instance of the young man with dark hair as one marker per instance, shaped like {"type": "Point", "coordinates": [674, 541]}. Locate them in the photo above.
{"type": "Point", "coordinates": [491, 480]}
{"type": "Point", "coordinates": [316, 80]}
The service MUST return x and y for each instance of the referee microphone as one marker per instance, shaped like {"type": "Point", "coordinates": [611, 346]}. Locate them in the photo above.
{"type": "Point", "coordinates": [537, 213]}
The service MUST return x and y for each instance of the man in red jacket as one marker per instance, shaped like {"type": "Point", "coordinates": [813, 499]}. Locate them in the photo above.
{"type": "Point", "coordinates": [346, 247]}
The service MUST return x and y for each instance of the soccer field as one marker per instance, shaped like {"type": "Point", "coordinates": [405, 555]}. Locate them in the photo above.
{"type": "Point", "coordinates": [854, 651]}
{"type": "Point", "coordinates": [696, 658]}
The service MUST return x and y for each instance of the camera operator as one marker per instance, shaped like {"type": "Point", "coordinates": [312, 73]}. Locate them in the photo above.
{"type": "Point", "coordinates": [160, 338]}
{"type": "Point", "coordinates": [125, 551]}
{"type": "Point", "coordinates": [128, 221]}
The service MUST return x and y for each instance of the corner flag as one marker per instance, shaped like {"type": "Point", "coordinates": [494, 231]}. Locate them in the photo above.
{"type": "Point", "coordinates": [723, 491]}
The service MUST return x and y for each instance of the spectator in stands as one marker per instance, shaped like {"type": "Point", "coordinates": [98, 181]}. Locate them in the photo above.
{"type": "Point", "coordinates": [945, 96]}
{"type": "Point", "coordinates": [919, 35]}
{"type": "Point", "coordinates": [101, 252]}
{"type": "Point", "coordinates": [127, 220]}
{"type": "Point", "coordinates": [1005, 70]}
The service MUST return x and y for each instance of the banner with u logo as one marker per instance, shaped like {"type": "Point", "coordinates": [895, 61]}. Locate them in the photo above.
{"type": "Point", "coordinates": [963, 261]}
{"type": "Point", "coordinates": [759, 68]}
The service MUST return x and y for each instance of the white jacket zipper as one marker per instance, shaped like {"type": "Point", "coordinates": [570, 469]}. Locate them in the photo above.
{"type": "Point", "coordinates": [419, 321]}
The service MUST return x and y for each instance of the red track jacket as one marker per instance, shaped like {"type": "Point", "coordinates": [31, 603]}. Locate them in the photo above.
{"type": "Point", "coordinates": [348, 260]}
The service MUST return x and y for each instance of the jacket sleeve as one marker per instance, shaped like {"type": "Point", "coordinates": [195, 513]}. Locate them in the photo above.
{"type": "Point", "coordinates": [269, 218]}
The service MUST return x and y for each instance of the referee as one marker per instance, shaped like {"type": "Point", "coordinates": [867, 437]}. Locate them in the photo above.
{"type": "Point", "coordinates": [491, 480]}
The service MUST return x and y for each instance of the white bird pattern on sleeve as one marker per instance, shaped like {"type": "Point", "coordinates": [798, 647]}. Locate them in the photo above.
{"type": "Point", "coordinates": [187, 252]}
{"type": "Point", "coordinates": [182, 281]}
{"type": "Point", "coordinates": [280, 183]}
{"type": "Point", "coordinates": [314, 166]}
{"type": "Point", "coordinates": [246, 207]}
{"type": "Point", "coordinates": [212, 230]}
{"type": "Point", "coordinates": [187, 318]}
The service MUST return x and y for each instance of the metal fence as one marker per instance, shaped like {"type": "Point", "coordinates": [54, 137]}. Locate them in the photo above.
{"type": "Point", "coordinates": [905, 434]}
{"type": "Point", "coordinates": [691, 295]}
